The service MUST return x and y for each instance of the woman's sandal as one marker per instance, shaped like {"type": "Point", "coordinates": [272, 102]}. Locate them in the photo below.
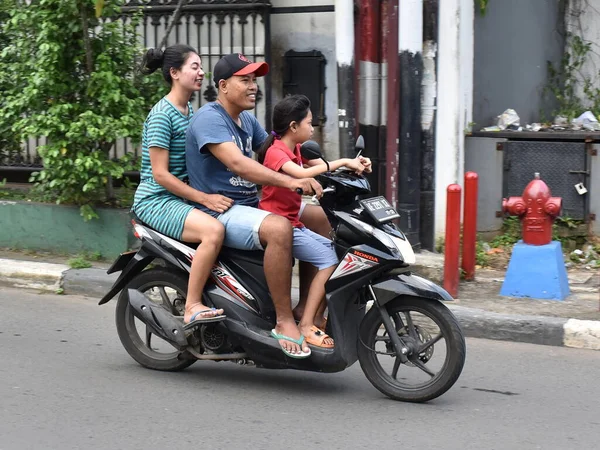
{"type": "Point", "coordinates": [197, 318]}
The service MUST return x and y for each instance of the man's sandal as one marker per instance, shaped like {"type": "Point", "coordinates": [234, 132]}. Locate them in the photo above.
{"type": "Point", "coordinates": [301, 355]}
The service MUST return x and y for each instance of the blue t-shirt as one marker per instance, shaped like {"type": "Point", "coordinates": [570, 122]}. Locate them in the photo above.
{"type": "Point", "coordinates": [212, 125]}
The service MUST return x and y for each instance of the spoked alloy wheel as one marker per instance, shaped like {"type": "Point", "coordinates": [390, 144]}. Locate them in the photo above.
{"type": "Point", "coordinates": [167, 289]}
{"type": "Point", "coordinates": [435, 348]}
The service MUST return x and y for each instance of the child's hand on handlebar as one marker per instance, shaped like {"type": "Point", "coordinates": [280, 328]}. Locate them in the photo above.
{"type": "Point", "coordinates": [354, 165]}
{"type": "Point", "coordinates": [366, 162]}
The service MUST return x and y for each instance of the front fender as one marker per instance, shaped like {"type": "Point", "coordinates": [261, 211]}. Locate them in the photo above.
{"type": "Point", "coordinates": [408, 284]}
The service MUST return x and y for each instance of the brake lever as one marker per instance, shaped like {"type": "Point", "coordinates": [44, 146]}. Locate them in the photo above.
{"type": "Point", "coordinates": [328, 189]}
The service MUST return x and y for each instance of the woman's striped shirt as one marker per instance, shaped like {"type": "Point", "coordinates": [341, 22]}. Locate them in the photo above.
{"type": "Point", "coordinates": [165, 128]}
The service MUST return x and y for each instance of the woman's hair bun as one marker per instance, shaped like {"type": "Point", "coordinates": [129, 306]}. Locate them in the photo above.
{"type": "Point", "coordinates": [153, 60]}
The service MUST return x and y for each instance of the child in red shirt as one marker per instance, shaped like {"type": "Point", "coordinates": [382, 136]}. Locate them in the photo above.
{"type": "Point", "coordinates": [292, 125]}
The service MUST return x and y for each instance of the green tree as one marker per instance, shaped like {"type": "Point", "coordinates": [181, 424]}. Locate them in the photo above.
{"type": "Point", "coordinates": [9, 140]}
{"type": "Point", "coordinates": [72, 70]}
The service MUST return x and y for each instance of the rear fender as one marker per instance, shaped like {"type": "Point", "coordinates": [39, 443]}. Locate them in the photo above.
{"type": "Point", "coordinates": [408, 284]}
{"type": "Point", "coordinates": [136, 263]}
{"type": "Point", "coordinates": [121, 262]}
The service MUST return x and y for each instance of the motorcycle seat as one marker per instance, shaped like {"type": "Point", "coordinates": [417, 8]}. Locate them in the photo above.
{"type": "Point", "coordinates": [251, 256]}
{"type": "Point", "coordinates": [141, 222]}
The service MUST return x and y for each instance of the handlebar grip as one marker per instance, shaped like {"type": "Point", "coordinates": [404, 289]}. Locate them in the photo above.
{"type": "Point", "coordinates": [299, 191]}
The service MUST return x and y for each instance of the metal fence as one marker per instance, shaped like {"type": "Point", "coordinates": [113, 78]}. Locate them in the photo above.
{"type": "Point", "coordinates": [215, 28]}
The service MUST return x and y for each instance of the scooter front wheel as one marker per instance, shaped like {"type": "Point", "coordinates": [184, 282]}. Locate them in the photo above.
{"type": "Point", "coordinates": [434, 346]}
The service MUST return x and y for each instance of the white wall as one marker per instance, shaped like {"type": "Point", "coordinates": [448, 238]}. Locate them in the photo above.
{"type": "Point", "coordinates": [455, 98]}
{"type": "Point", "coordinates": [305, 32]}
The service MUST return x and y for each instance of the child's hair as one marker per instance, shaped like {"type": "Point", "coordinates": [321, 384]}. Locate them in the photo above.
{"type": "Point", "coordinates": [293, 108]}
{"type": "Point", "coordinates": [173, 56]}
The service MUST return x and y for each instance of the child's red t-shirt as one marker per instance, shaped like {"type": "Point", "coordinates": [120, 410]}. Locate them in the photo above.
{"type": "Point", "coordinates": [278, 200]}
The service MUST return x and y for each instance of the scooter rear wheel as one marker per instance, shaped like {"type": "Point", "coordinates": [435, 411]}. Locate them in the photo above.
{"type": "Point", "coordinates": [169, 289]}
{"type": "Point", "coordinates": [434, 343]}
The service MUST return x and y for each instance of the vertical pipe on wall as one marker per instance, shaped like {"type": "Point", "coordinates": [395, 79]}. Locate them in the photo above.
{"type": "Point", "coordinates": [455, 97]}
{"type": "Point", "coordinates": [267, 21]}
{"type": "Point", "coordinates": [344, 53]}
{"type": "Point", "coordinates": [410, 46]}
{"type": "Point", "coordinates": [393, 104]}
{"type": "Point", "coordinates": [369, 77]}
{"type": "Point", "coordinates": [384, 29]}
{"type": "Point", "coordinates": [428, 106]}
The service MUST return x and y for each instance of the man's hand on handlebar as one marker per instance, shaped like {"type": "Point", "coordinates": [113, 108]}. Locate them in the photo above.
{"type": "Point", "coordinates": [307, 186]}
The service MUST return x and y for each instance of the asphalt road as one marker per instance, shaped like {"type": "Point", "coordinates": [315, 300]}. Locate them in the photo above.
{"type": "Point", "coordinates": [66, 383]}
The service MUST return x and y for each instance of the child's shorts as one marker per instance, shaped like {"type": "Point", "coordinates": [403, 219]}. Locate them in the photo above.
{"type": "Point", "coordinates": [313, 248]}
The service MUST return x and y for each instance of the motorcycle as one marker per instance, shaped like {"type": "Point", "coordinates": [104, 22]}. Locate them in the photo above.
{"type": "Point", "coordinates": [408, 343]}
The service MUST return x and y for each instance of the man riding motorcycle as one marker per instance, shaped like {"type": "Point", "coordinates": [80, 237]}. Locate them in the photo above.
{"type": "Point", "coordinates": [219, 143]}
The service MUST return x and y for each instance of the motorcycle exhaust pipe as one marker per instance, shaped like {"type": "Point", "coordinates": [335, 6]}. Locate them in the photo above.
{"type": "Point", "coordinates": [217, 356]}
{"type": "Point", "coordinates": [159, 320]}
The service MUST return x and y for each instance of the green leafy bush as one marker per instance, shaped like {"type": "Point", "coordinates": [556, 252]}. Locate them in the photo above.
{"type": "Point", "coordinates": [9, 141]}
{"type": "Point", "coordinates": [73, 80]}
{"type": "Point", "coordinates": [565, 78]}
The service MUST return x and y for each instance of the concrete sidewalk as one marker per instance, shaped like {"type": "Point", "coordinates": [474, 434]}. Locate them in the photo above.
{"type": "Point", "coordinates": [482, 313]}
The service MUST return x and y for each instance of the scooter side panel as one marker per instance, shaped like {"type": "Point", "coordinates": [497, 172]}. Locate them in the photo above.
{"type": "Point", "coordinates": [236, 309]}
{"type": "Point", "coordinates": [251, 276]}
{"type": "Point", "coordinates": [343, 321]}
{"type": "Point", "coordinates": [266, 352]}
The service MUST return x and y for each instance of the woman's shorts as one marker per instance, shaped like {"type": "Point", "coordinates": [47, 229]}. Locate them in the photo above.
{"type": "Point", "coordinates": [166, 213]}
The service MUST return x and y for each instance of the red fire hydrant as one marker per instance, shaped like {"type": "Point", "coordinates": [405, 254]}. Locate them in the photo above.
{"type": "Point", "coordinates": [536, 210]}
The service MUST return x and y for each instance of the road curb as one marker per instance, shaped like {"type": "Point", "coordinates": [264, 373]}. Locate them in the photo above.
{"type": "Point", "coordinates": [89, 282]}
{"type": "Point", "coordinates": [542, 330]}
{"type": "Point", "coordinates": [32, 275]}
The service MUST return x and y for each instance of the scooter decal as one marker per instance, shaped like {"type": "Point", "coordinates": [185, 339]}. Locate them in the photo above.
{"type": "Point", "coordinates": [352, 264]}
{"type": "Point", "coordinates": [184, 249]}
{"type": "Point", "coordinates": [230, 285]}
{"type": "Point", "coordinates": [366, 256]}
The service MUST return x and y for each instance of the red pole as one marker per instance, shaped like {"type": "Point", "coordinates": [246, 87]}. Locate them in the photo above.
{"type": "Point", "coordinates": [470, 225]}
{"type": "Point", "coordinates": [452, 247]}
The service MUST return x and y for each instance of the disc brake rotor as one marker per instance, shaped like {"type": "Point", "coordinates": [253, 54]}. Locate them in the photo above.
{"type": "Point", "coordinates": [423, 336]}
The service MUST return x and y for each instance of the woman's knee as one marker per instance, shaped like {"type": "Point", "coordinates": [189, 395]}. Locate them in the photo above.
{"type": "Point", "coordinates": [212, 231]}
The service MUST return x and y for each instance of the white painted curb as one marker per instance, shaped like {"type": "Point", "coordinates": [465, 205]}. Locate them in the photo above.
{"type": "Point", "coordinates": [582, 334]}
{"type": "Point", "coordinates": [32, 275]}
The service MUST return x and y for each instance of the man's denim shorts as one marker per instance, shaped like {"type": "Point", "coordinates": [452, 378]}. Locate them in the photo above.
{"type": "Point", "coordinates": [313, 248]}
{"type": "Point", "coordinates": [242, 224]}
